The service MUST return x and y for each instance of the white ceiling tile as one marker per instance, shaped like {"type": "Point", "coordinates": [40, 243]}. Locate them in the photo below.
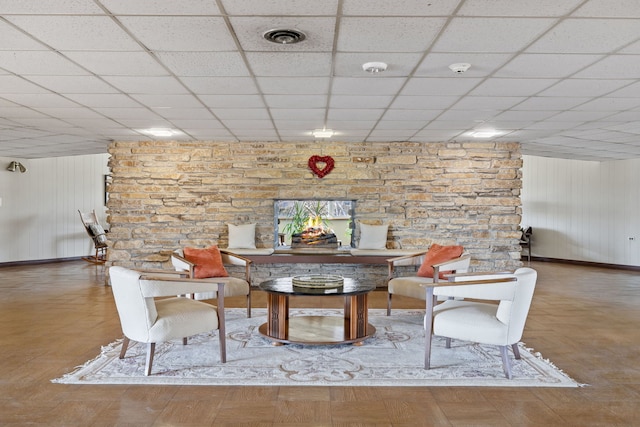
{"type": "Point", "coordinates": [512, 87]}
{"type": "Point", "coordinates": [189, 124]}
{"type": "Point", "coordinates": [204, 64]}
{"type": "Point", "coordinates": [184, 113]}
{"type": "Point", "coordinates": [514, 8]}
{"type": "Point", "coordinates": [161, 7]}
{"type": "Point", "coordinates": [612, 67]}
{"type": "Point", "coordinates": [607, 8]}
{"type": "Point", "coordinates": [30, 63]}
{"type": "Point", "coordinates": [524, 115]}
{"type": "Point", "coordinates": [488, 102]}
{"type": "Point", "coordinates": [211, 134]}
{"type": "Point", "coordinates": [319, 33]}
{"type": "Point", "coordinates": [281, 114]}
{"type": "Point", "coordinates": [275, 7]}
{"type": "Point", "coordinates": [584, 87]}
{"type": "Point", "coordinates": [117, 63]}
{"type": "Point", "coordinates": [103, 100]}
{"type": "Point", "coordinates": [412, 125]}
{"type": "Point", "coordinates": [68, 113]}
{"type": "Point", "coordinates": [353, 101]}
{"type": "Point", "coordinates": [221, 85]}
{"type": "Point", "coordinates": [538, 65]}
{"type": "Point", "coordinates": [610, 104]}
{"type": "Point", "coordinates": [296, 101]}
{"type": "Point", "coordinates": [378, 85]}
{"type": "Point", "coordinates": [89, 33]}
{"type": "Point", "coordinates": [127, 113]}
{"type": "Point", "coordinates": [401, 115]}
{"type": "Point", "coordinates": [424, 102]}
{"type": "Point", "coordinates": [399, 64]}
{"type": "Point", "coordinates": [470, 115]}
{"type": "Point", "coordinates": [295, 64]}
{"type": "Point", "coordinates": [388, 34]}
{"type": "Point", "coordinates": [550, 103]}
{"type": "Point", "coordinates": [604, 36]}
{"type": "Point", "coordinates": [59, 7]}
{"type": "Point", "coordinates": [490, 34]}
{"type": "Point", "coordinates": [146, 85]}
{"type": "Point", "coordinates": [405, 8]}
{"type": "Point", "coordinates": [73, 84]}
{"type": "Point", "coordinates": [40, 100]}
{"type": "Point", "coordinates": [435, 135]}
{"type": "Point", "coordinates": [294, 85]}
{"type": "Point", "coordinates": [17, 40]}
{"type": "Point", "coordinates": [439, 86]}
{"type": "Point", "coordinates": [358, 115]}
{"type": "Point", "coordinates": [230, 101]}
{"type": "Point", "coordinates": [167, 101]}
{"type": "Point", "coordinates": [393, 134]}
{"type": "Point", "coordinates": [15, 84]}
{"type": "Point", "coordinates": [241, 113]}
{"type": "Point", "coordinates": [181, 33]}
{"type": "Point", "coordinates": [287, 126]}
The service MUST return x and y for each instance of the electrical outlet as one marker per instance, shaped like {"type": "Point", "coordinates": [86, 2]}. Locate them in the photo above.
{"type": "Point", "coordinates": [632, 238]}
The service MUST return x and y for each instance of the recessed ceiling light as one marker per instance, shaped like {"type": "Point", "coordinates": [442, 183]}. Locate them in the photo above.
{"type": "Point", "coordinates": [160, 132]}
{"type": "Point", "coordinates": [322, 133]}
{"type": "Point", "coordinates": [284, 36]}
{"type": "Point", "coordinates": [374, 67]}
{"type": "Point", "coordinates": [488, 133]}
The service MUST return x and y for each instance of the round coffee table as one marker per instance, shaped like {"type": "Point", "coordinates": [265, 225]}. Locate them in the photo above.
{"type": "Point", "coordinates": [354, 327]}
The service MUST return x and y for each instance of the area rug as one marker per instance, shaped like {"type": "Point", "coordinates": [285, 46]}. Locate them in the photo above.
{"type": "Point", "coordinates": [394, 356]}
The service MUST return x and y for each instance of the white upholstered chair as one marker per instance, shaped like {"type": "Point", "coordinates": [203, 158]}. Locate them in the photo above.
{"type": "Point", "coordinates": [500, 324]}
{"type": "Point", "coordinates": [234, 286]}
{"type": "Point", "coordinates": [149, 320]}
{"type": "Point", "coordinates": [412, 286]}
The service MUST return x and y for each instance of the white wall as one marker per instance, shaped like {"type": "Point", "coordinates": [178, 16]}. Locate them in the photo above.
{"type": "Point", "coordinates": [39, 213]}
{"type": "Point", "coordinates": [583, 211]}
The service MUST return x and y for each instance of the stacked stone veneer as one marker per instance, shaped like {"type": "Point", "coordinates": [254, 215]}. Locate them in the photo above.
{"type": "Point", "coordinates": [168, 194]}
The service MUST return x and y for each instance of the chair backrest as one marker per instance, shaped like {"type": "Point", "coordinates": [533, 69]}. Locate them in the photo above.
{"type": "Point", "coordinates": [180, 265]}
{"type": "Point", "coordinates": [514, 312]}
{"type": "Point", "coordinates": [93, 227]}
{"type": "Point", "coordinates": [137, 313]}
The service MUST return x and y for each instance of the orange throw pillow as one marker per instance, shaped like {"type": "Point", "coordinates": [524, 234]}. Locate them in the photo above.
{"type": "Point", "coordinates": [208, 262]}
{"type": "Point", "coordinates": [436, 255]}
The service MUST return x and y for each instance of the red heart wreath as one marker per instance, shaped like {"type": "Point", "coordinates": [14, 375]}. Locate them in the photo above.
{"type": "Point", "coordinates": [321, 172]}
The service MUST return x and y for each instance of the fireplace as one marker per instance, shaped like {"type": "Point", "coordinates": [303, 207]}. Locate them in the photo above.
{"type": "Point", "coordinates": [314, 223]}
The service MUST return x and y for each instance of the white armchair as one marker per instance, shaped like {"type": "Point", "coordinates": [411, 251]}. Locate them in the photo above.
{"type": "Point", "coordinates": [500, 324]}
{"type": "Point", "coordinates": [412, 285]}
{"type": "Point", "coordinates": [234, 286]}
{"type": "Point", "coordinates": [147, 320]}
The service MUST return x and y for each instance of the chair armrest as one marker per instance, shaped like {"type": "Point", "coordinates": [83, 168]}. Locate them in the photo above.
{"type": "Point", "coordinates": [153, 286]}
{"type": "Point", "coordinates": [491, 286]}
{"type": "Point", "coordinates": [405, 257]}
{"type": "Point", "coordinates": [229, 257]}
{"type": "Point", "coordinates": [179, 261]}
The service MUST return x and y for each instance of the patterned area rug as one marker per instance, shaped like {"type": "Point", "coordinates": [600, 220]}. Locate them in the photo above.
{"type": "Point", "coordinates": [393, 357]}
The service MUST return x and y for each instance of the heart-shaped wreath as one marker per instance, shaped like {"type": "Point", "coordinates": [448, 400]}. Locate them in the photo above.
{"type": "Point", "coordinates": [321, 172]}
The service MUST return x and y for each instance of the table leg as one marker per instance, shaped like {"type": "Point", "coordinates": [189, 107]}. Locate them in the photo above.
{"type": "Point", "coordinates": [278, 316]}
{"type": "Point", "coordinates": [428, 328]}
{"type": "Point", "coordinates": [356, 316]}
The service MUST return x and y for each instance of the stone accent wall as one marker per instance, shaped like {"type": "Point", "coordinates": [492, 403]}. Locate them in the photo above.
{"type": "Point", "coordinates": [170, 194]}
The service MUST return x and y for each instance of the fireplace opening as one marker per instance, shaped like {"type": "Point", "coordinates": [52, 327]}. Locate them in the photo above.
{"type": "Point", "coordinates": [314, 223]}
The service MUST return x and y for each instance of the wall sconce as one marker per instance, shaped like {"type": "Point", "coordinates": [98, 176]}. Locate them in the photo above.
{"type": "Point", "coordinates": [13, 166]}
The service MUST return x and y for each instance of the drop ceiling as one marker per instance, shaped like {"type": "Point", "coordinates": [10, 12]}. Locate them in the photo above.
{"type": "Point", "coordinates": [560, 76]}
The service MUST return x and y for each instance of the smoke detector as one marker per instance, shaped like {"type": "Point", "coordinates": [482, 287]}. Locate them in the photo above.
{"type": "Point", "coordinates": [284, 36]}
{"type": "Point", "coordinates": [374, 67]}
{"type": "Point", "coordinates": [460, 67]}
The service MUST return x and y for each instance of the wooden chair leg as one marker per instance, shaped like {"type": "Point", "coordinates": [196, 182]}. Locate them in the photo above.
{"type": "Point", "coordinates": [249, 304]}
{"type": "Point", "coordinates": [516, 351]}
{"type": "Point", "coordinates": [125, 344]}
{"type": "Point", "coordinates": [222, 334]}
{"type": "Point", "coordinates": [389, 303]}
{"type": "Point", "coordinates": [184, 341]}
{"type": "Point", "coordinates": [448, 342]}
{"type": "Point", "coordinates": [506, 366]}
{"type": "Point", "coordinates": [151, 348]}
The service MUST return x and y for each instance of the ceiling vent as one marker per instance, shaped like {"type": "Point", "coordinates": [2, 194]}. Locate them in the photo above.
{"type": "Point", "coordinates": [284, 36]}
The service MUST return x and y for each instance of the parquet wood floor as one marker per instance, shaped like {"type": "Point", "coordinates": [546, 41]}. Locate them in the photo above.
{"type": "Point", "coordinates": [56, 316]}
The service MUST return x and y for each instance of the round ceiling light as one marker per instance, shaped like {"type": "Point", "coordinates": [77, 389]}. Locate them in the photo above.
{"type": "Point", "coordinates": [374, 67]}
{"type": "Point", "coordinates": [284, 36]}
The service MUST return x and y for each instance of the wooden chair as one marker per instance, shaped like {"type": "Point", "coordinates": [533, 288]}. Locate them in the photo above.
{"type": "Point", "coordinates": [96, 234]}
{"type": "Point", "coordinates": [525, 241]}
